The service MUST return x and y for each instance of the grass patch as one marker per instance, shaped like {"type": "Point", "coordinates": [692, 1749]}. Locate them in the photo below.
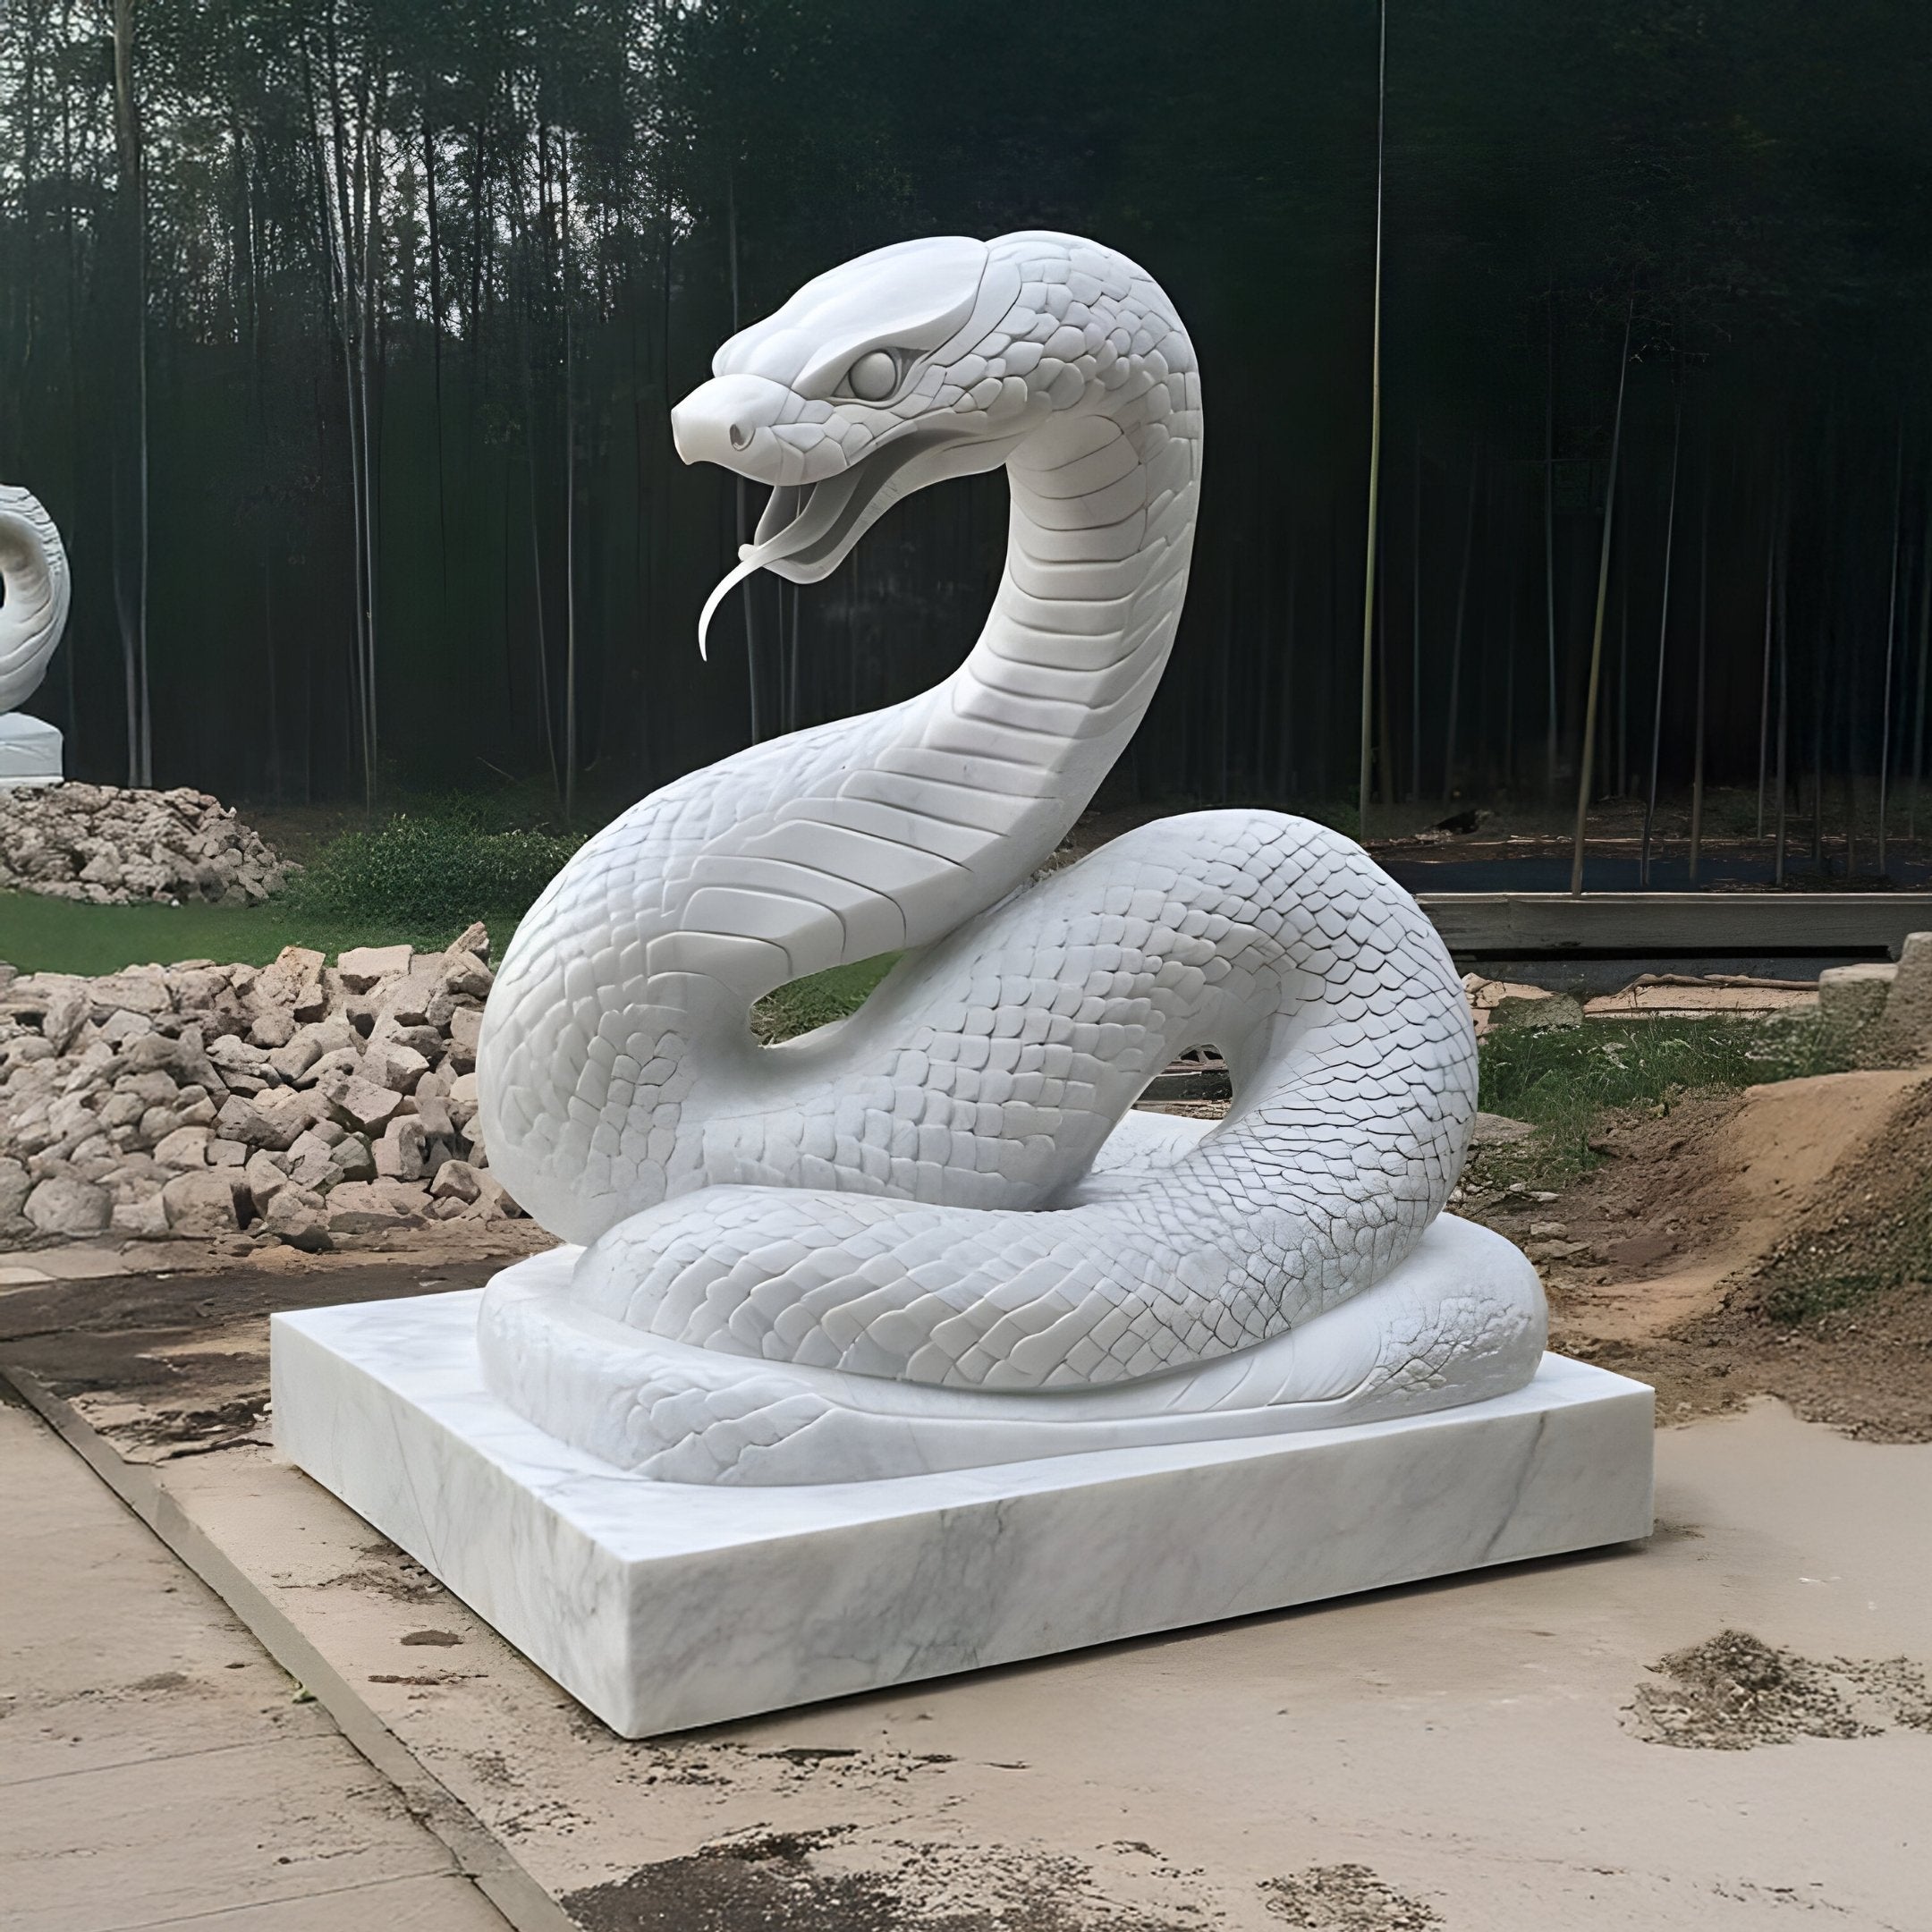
{"type": "Point", "coordinates": [1567, 1080]}
{"type": "Point", "coordinates": [418, 878]}
{"type": "Point", "coordinates": [40, 934]}
{"type": "Point", "coordinates": [424, 870]}
{"type": "Point", "coordinates": [819, 998]}
{"type": "Point", "coordinates": [1803, 1300]}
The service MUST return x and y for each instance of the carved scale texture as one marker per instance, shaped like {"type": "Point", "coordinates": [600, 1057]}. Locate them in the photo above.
{"type": "Point", "coordinates": [927, 1192]}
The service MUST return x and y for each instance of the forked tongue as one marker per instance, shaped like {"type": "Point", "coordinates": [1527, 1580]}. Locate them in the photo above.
{"type": "Point", "coordinates": [751, 559]}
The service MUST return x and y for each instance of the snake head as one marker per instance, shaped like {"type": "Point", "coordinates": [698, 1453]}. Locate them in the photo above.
{"type": "Point", "coordinates": [931, 359]}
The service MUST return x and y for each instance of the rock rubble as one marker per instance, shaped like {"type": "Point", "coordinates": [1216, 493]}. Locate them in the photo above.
{"type": "Point", "coordinates": [298, 1101]}
{"type": "Point", "coordinates": [110, 846]}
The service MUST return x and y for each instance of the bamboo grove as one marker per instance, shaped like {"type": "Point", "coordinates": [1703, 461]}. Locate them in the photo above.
{"type": "Point", "coordinates": [340, 337]}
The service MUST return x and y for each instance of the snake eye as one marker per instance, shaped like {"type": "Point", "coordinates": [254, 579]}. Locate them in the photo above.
{"type": "Point", "coordinates": [874, 376]}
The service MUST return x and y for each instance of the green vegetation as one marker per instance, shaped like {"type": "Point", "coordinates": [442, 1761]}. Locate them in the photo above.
{"type": "Point", "coordinates": [424, 871]}
{"type": "Point", "coordinates": [421, 877]}
{"type": "Point", "coordinates": [1565, 1081]}
{"type": "Point", "coordinates": [1801, 1298]}
{"type": "Point", "coordinates": [819, 998]}
{"type": "Point", "coordinates": [60, 935]}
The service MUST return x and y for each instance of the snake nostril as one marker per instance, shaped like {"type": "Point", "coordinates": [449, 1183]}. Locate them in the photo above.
{"type": "Point", "coordinates": [739, 435]}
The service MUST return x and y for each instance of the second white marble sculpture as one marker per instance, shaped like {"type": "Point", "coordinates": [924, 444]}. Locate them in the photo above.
{"type": "Point", "coordinates": [933, 1235]}
{"type": "Point", "coordinates": [33, 613]}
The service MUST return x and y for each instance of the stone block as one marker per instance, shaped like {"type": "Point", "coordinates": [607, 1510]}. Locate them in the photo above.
{"type": "Point", "coordinates": [465, 975]}
{"type": "Point", "coordinates": [1908, 1010]}
{"type": "Point", "coordinates": [353, 1158]}
{"type": "Point", "coordinates": [372, 1206]}
{"type": "Point", "coordinates": [70, 1208]}
{"type": "Point", "coordinates": [464, 1026]}
{"type": "Point", "coordinates": [183, 1148]}
{"type": "Point", "coordinates": [145, 1219]}
{"type": "Point", "coordinates": [463, 1099]}
{"type": "Point", "coordinates": [393, 1065]}
{"type": "Point", "coordinates": [298, 1218]}
{"type": "Point", "coordinates": [407, 1000]}
{"type": "Point", "coordinates": [294, 1057]}
{"type": "Point", "coordinates": [1854, 997]}
{"type": "Point", "coordinates": [201, 1206]}
{"type": "Point", "coordinates": [267, 1177]}
{"type": "Point", "coordinates": [362, 1105]}
{"type": "Point", "coordinates": [240, 1120]}
{"type": "Point", "coordinates": [337, 1061]}
{"type": "Point", "coordinates": [273, 1028]}
{"type": "Point", "coordinates": [1553, 1010]}
{"type": "Point", "coordinates": [457, 1180]}
{"type": "Point", "coordinates": [401, 1151]}
{"type": "Point", "coordinates": [362, 967]}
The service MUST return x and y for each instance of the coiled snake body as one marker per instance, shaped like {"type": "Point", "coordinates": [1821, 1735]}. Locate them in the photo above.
{"type": "Point", "coordinates": [933, 1236]}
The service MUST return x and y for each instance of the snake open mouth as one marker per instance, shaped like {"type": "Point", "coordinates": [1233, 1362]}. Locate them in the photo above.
{"type": "Point", "coordinates": [808, 529]}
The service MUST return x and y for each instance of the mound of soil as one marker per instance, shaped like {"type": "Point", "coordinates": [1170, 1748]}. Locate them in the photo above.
{"type": "Point", "coordinates": [1736, 1691]}
{"type": "Point", "coordinates": [1777, 1242]}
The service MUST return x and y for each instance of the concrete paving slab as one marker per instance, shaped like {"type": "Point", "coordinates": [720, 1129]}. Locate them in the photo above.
{"type": "Point", "coordinates": [1471, 1754]}
{"type": "Point", "coordinates": [155, 1764]}
{"type": "Point", "coordinates": [448, 1903]}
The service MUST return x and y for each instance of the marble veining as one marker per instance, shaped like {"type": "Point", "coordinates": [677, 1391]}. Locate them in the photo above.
{"type": "Point", "coordinates": [662, 1605]}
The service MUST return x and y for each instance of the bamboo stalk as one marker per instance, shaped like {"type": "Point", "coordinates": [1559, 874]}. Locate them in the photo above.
{"type": "Point", "coordinates": [1925, 661]}
{"type": "Point", "coordinates": [570, 495]}
{"type": "Point", "coordinates": [1764, 700]}
{"type": "Point", "coordinates": [1461, 614]}
{"type": "Point", "coordinates": [1415, 641]}
{"type": "Point", "coordinates": [1783, 705]}
{"type": "Point", "coordinates": [1662, 647]}
{"type": "Point", "coordinates": [1603, 591]}
{"type": "Point", "coordinates": [1885, 701]}
{"type": "Point", "coordinates": [1374, 449]}
{"type": "Point", "coordinates": [748, 598]}
{"type": "Point", "coordinates": [1703, 630]}
{"type": "Point", "coordinates": [1549, 524]}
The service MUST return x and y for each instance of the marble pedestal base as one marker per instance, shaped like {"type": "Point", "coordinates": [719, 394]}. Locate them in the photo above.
{"type": "Point", "coordinates": [662, 1605]}
{"type": "Point", "coordinates": [30, 751]}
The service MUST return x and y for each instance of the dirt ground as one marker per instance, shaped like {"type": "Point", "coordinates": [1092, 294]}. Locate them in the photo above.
{"type": "Point", "coordinates": [1718, 1727]}
{"type": "Point", "coordinates": [1773, 1242]}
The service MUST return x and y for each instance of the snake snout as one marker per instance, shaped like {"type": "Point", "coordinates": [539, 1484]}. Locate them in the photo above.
{"type": "Point", "coordinates": [723, 420]}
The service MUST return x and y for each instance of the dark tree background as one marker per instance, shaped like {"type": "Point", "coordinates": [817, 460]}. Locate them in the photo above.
{"type": "Point", "coordinates": [340, 336]}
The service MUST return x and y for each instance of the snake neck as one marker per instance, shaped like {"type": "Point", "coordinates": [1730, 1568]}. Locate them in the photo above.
{"type": "Point", "coordinates": [928, 812]}
{"type": "Point", "coordinates": [1015, 743]}
{"type": "Point", "coordinates": [620, 1022]}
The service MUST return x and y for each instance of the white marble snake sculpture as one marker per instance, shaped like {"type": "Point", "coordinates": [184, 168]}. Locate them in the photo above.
{"type": "Point", "coordinates": [933, 1236]}
{"type": "Point", "coordinates": [33, 595]}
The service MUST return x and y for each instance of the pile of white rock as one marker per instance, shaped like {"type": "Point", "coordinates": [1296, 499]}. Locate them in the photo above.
{"type": "Point", "coordinates": [109, 845]}
{"type": "Point", "coordinates": [299, 1100]}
